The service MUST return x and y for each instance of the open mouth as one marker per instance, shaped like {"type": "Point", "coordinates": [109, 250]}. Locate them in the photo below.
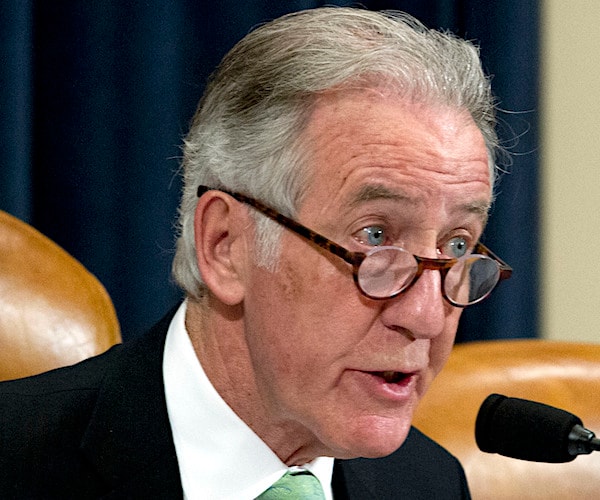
{"type": "Point", "coordinates": [391, 377]}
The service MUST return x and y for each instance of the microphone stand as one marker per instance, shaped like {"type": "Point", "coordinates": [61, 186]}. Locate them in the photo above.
{"type": "Point", "coordinates": [582, 441]}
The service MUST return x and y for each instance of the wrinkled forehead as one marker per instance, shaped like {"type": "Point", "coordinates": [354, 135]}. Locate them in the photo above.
{"type": "Point", "coordinates": [370, 140]}
{"type": "Point", "coordinates": [350, 113]}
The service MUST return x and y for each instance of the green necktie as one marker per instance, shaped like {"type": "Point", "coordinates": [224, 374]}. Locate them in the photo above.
{"type": "Point", "coordinates": [298, 485]}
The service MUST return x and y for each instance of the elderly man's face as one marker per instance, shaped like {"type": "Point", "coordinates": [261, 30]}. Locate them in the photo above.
{"type": "Point", "coordinates": [329, 363]}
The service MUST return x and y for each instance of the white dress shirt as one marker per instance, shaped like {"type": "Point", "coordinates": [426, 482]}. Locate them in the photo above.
{"type": "Point", "coordinates": [219, 456]}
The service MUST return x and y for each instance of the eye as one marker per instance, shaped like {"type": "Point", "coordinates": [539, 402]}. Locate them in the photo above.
{"type": "Point", "coordinates": [457, 247]}
{"type": "Point", "coordinates": [371, 235]}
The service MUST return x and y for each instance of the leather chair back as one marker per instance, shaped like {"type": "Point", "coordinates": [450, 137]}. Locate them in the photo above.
{"type": "Point", "coordinates": [561, 374]}
{"type": "Point", "coordinates": [53, 312]}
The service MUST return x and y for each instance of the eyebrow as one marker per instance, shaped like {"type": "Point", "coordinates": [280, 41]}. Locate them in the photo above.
{"type": "Point", "coordinates": [480, 208]}
{"type": "Point", "coordinates": [371, 192]}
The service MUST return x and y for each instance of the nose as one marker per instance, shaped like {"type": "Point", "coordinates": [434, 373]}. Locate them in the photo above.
{"type": "Point", "coordinates": [421, 310]}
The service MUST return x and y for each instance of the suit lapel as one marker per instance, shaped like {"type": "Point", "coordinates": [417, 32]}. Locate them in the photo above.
{"type": "Point", "coordinates": [419, 470]}
{"type": "Point", "coordinates": [129, 437]}
{"type": "Point", "coordinates": [389, 477]}
{"type": "Point", "coordinates": [351, 481]}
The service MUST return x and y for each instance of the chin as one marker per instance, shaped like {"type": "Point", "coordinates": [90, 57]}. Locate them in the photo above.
{"type": "Point", "coordinates": [373, 437]}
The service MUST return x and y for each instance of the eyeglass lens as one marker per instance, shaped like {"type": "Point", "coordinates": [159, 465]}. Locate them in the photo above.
{"type": "Point", "coordinates": [387, 271]}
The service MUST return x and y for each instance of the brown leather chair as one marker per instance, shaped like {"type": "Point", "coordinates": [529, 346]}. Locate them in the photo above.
{"type": "Point", "coordinates": [561, 374]}
{"type": "Point", "coordinates": [53, 312]}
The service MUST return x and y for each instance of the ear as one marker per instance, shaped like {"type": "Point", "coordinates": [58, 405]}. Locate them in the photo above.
{"type": "Point", "coordinates": [220, 227]}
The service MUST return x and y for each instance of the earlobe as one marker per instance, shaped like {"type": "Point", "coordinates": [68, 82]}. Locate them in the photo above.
{"type": "Point", "coordinates": [221, 246]}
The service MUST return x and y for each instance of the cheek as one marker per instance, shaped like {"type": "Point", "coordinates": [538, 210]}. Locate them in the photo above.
{"type": "Point", "coordinates": [301, 320]}
{"type": "Point", "coordinates": [310, 291]}
{"type": "Point", "coordinates": [279, 321]}
{"type": "Point", "coordinates": [441, 346]}
{"type": "Point", "coordinates": [299, 317]}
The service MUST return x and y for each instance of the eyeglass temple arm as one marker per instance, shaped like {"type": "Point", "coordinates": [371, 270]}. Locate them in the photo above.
{"type": "Point", "coordinates": [505, 269]}
{"type": "Point", "coordinates": [353, 258]}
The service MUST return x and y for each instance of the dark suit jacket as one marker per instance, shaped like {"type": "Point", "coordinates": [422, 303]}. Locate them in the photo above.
{"type": "Point", "coordinates": [100, 429]}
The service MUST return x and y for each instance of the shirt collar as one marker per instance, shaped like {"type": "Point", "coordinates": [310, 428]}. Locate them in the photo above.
{"type": "Point", "coordinates": [219, 456]}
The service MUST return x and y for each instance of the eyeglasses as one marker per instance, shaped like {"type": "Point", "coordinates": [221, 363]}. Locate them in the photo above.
{"type": "Point", "coordinates": [386, 271]}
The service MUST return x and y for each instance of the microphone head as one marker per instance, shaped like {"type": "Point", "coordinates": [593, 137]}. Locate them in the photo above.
{"type": "Point", "coordinates": [524, 429]}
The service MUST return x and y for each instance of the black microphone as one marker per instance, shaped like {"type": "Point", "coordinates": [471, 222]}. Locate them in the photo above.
{"type": "Point", "coordinates": [527, 430]}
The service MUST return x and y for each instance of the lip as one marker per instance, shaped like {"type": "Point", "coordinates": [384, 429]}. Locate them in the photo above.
{"type": "Point", "coordinates": [374, 383]}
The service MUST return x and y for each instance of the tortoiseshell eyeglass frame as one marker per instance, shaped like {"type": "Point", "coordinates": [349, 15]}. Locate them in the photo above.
{"type": "Point", "coordinates": [355, 259]}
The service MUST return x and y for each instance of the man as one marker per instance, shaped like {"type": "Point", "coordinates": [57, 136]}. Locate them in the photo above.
{"type": "Point", "coordinates": [338, 175]}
